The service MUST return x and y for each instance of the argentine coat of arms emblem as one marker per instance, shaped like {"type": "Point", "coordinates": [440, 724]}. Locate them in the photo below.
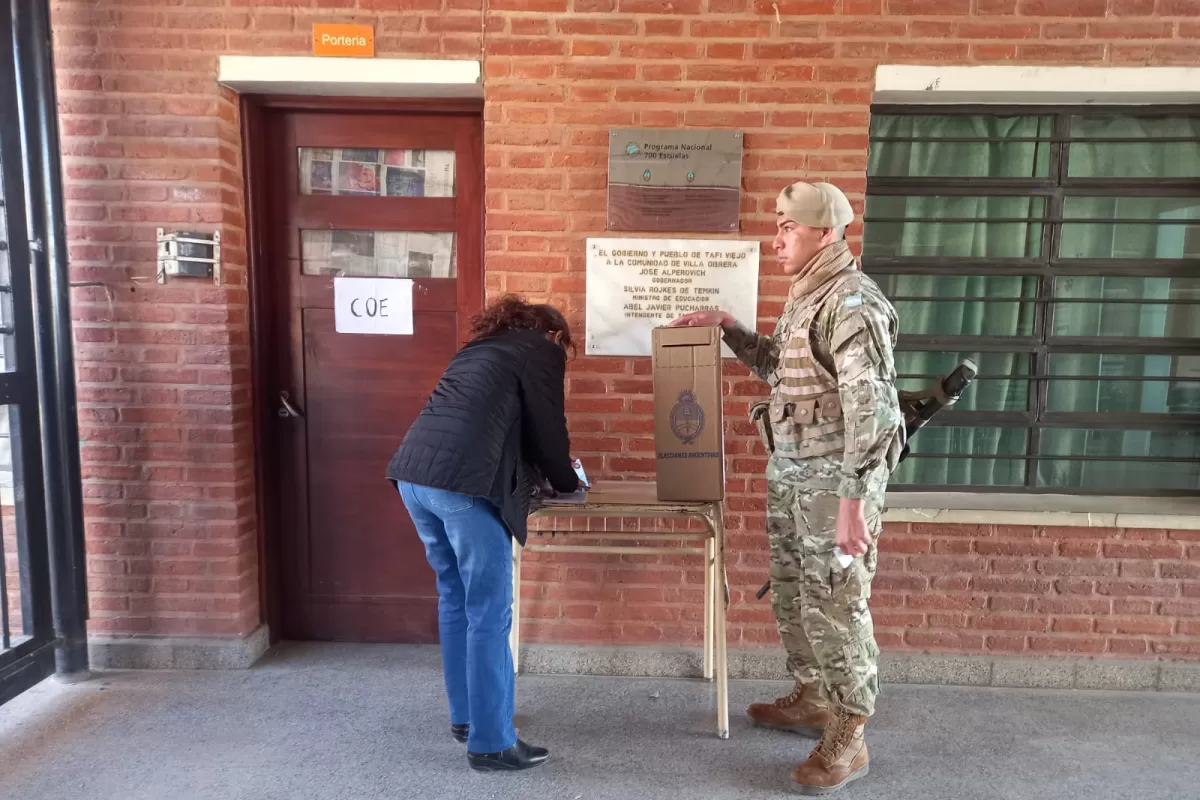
{"type": "Point", "coordinates": [687, 418]}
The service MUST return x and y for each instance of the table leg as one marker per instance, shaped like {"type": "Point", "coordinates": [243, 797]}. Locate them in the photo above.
{"type": "Point", "coordinates": [719, 588]}
{"type": "Point", "coordinates": [514, 636]}
{"type": "Point", "coordinates": [710, 599]}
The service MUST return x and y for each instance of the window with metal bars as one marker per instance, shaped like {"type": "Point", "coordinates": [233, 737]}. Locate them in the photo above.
{"type": "Point", "coordinates": [1060, 249]}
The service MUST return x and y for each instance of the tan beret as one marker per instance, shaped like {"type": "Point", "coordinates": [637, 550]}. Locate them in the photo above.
{"type": "Point", "coordinates": [817, 205]}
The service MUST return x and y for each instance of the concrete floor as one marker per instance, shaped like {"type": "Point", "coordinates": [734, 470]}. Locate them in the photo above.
{"type": "Point", "coordinates": [349, 722]}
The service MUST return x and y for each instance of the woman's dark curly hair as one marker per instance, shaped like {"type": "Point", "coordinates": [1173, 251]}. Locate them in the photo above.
{"type": "Point", "coordinates": [511, 311]}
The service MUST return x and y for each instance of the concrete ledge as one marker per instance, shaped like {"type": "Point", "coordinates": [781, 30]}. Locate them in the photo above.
{"type": "Point", "coordinates": [908, 83]}
{"type": "Point", "coordinates": [966, 508]}
{"type": "Point", "coordinates": [177, 652]}
{"type": "Point", "coordinates": [910, 668]}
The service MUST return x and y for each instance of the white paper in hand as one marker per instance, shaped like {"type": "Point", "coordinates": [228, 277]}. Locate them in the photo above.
{"type": "Point", "coordinates": [843, 559]}
{"type": "Point", "coordinates": [578, 465]}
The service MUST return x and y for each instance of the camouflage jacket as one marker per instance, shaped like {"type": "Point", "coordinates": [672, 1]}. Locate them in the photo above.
{"type": "Point", "coordinates": [850, 336]}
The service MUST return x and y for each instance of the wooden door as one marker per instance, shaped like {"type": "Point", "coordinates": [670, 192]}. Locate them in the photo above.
{"type": "Point", "coordinates": [369, 194]}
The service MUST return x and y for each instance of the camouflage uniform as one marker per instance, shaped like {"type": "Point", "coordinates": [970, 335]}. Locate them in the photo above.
{"type": "Point", "coordinates": [820, 606]}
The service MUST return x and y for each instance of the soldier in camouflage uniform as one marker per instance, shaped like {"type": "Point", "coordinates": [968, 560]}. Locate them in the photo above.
{"type": "Point", "coordinates": [837, 430]}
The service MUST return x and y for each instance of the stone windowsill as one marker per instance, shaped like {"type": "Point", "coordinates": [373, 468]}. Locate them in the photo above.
{"type": "Point", "coordinates": [1179, 513]}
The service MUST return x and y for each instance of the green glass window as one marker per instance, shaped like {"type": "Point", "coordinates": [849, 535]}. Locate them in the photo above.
{"type": "Point", "coordinates": [967, 146]}
{"type": "Point", "coordinates": [979, 227]}
{"type": "Point", "coordinates": [1001, 385]}
{"type": "Point", "coordinates": [1059, 250]}
{"type": "Point", "coordinates": [1123, 383]}
{"type": "Point", "coordinates": [1139, 228]}
{"type": "Point", "coordinates": [1117, 146]}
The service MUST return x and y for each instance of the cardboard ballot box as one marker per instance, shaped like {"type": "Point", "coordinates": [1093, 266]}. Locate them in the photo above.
{"type": "Point", "coordinates": [688, 421]}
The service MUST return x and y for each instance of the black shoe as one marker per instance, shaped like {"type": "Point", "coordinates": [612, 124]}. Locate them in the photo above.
{"type": "Point", "coordinates": [519, 756]}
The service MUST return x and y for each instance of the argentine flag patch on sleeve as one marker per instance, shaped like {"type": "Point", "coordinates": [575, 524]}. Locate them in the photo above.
{"type": "Point", "coordinates": [854, 301]}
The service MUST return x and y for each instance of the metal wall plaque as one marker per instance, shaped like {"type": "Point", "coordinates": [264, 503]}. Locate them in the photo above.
{"type": "Point", "coordinates": [662, 179]}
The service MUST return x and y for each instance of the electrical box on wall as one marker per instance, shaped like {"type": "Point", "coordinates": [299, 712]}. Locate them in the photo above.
{"type": "Point", "coordinates": [188, 254]}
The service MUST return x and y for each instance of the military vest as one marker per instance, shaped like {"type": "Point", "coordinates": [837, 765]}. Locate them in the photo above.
{"type": "Point", "coordinates": [806, 409]}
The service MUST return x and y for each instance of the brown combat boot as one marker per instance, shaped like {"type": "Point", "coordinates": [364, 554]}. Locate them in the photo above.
{"type": "Point", "coordinates": [803, 711]}
{"type": "Point", "coordinates": [839, 758]}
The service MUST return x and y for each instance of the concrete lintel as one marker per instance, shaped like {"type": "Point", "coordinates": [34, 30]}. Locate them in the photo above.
{"type": "Point", "coordinates": [106, 652]}
{"type": "Point", "coordinates": [935, 669]}
{"type": "Point", "coordinates": [352, 77]}
{"type": "Point", "coordinates": [1025, 85]}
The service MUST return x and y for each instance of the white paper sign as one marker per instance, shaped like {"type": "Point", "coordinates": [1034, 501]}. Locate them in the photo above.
{"type": "Point", "coordinates": [373, 305]}
{"type": "Point", "coordinates": [637, 285]}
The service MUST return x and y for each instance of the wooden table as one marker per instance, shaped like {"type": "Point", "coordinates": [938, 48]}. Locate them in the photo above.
{"type": "Point", "coordinates": [629, 499]}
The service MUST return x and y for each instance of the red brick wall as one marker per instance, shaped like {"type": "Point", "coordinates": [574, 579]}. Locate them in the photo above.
{"type": "Point", "coordinates": [149, 138]}
{"type": "Point", "coordinates": [1008, 589]}
{"type": "Point", "coordinates": [163, 371]}
{"type": "Point", "coordinates": [965, 588]}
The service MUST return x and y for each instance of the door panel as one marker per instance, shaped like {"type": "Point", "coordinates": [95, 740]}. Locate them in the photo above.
{"type": "Point", "coordinates": [352, 567]}
{"type": "Point", "coordinates": [359, 388]}
{"type": "Point", "coordinates": [418, 214]}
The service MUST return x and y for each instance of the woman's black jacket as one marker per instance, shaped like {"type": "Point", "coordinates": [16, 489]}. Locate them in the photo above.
{"type": "Point", "coordinates": [494, 423]}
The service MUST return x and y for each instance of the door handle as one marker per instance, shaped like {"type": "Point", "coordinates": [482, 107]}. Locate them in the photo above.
{"type": "Point", "coordinates": [286, 409]}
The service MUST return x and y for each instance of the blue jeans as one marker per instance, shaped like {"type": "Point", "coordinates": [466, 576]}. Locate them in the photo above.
{"type": "Point", "coordinates": [470, 551]}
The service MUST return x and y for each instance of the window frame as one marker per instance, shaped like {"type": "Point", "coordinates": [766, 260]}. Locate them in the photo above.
{"type": "Point", "coordinates": [46, 577]}
{"type": "Point", "coordinates": [1056, 187]}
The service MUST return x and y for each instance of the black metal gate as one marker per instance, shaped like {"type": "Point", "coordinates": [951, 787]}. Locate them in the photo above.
{"type": "Point", "coordinates": [42, 590]}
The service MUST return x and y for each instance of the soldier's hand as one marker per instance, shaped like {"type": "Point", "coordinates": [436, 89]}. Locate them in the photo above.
{"type": "Point", "coordinates": [705, 319]}
{"type": "Point", "coordinates": [852, 534]}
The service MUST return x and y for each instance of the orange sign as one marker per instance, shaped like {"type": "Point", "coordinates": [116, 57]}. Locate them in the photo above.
{"type": "Point", "coordinates": [343, 40]}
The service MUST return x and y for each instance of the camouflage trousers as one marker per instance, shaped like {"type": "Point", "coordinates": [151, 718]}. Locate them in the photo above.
{"type": "Point", "coordinates": [821, 608]}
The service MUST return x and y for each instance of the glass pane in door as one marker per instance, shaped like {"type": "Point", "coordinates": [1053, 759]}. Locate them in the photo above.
{"type": "Point", "coordinates": [378, 254]}
{"type": "Point", "coordinates": [375, 172]}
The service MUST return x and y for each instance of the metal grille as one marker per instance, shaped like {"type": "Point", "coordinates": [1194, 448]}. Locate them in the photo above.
{"type": "Point", "coordinates": [6, 616]}
{"type": "Point", "coordinates": [15, 610]}
{"type": "Point", "coordinates": [1054, 198]}
{"type": "Point", "coordinates": [15, 616]}
{"type": "Point", "coordinates": [34, 613]}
